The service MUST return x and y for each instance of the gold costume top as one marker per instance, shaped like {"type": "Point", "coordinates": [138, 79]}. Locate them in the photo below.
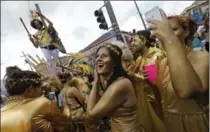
{"type": "Point", "coordinates": [32, 115]}
{"type": "Point", "coordinates": [138, 118]}
{"type": "Point", "coordinates": [43, 38]}
{"type": "Point", "coordinates": [181, 115]}
{"type": "Point", "coordinates": [127, 120]}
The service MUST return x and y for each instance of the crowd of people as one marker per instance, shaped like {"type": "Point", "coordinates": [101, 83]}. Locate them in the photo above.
{"type": "Point", "coordinates": [158, 83]}
{"type": "Point", "coordinates": [201, 36]}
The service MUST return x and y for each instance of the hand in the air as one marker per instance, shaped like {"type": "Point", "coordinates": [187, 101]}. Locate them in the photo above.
{"type": "Point", "coordinates": [39, 14]}
{"type": "Point", "coordinates": [161, 29]}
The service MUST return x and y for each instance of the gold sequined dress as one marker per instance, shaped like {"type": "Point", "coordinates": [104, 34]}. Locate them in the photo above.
{"type": "Point", "coordinates": [32, 115]}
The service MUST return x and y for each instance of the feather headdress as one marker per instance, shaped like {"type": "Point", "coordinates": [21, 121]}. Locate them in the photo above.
{"type": "Point", "coordinates": [33, 15]}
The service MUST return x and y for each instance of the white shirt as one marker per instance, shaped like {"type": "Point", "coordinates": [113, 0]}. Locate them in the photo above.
{"type": "Point", "coordinates": [200, 30]}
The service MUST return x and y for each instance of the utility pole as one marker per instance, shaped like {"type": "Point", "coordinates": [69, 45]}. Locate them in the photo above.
{"type": "Point", "coordinates": [111, 14]}
{"type": "Point", "coordinates": [140, 14]}
{"type": "Point", "coordinates": [25, 56]}
{"type": "Point", "coordinates": [113, 19]}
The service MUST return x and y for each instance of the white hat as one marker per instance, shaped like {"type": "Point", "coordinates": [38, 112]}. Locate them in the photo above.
{"type": "Point", "coordinates": [33, 15]}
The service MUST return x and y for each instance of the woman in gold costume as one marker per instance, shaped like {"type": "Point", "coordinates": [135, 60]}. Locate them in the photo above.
{"type": "Point", "coordinates": [119, 100]}
{"type": "Point", "coordinates": [75, 94]}
{"type": "Point", "coordinates": [183, 76]}
{"type": "Point", "coordinates": [25, 109]}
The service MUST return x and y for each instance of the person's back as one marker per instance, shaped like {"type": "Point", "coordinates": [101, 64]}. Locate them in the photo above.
{"type": "Point", "coordinates": [74, 97]}
{"type": "Point", "coordinates": [9, 122]}
{"type": "Point", "coordinates": [27, 115]}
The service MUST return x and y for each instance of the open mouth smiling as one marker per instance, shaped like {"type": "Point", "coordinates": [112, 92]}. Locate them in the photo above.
{"type": "Point", "coordinates": [100, 65]}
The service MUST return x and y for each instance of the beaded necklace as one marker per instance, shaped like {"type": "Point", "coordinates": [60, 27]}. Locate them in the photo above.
{"type": "Point", "coordinates": [14, 98]}
{"type": "Point", "coordinates": [11, 99]}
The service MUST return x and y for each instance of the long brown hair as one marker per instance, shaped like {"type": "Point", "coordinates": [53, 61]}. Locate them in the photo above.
{"type": "Point", "coordinates": [116, 54]}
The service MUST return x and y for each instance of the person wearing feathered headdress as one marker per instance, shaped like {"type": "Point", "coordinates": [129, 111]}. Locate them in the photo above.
{"type": "Point", "coordinates": [46, 38]}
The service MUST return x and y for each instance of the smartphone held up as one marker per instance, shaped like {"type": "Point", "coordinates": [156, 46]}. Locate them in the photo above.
{"type": "Point", "coordinates": [155, 14]}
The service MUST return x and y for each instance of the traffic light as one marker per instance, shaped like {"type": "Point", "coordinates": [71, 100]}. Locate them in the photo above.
{"type": "Point", "coordinates": [101, 19]}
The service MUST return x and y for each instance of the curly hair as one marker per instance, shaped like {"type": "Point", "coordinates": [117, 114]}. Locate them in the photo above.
{"type": "Point", "coordinates": [187, 24]}
{"type": "Point", "coordinates": [17, 80]}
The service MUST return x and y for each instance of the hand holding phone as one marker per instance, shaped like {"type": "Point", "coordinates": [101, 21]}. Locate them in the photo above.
{"type": "Point", "coordinates": [154, 13]}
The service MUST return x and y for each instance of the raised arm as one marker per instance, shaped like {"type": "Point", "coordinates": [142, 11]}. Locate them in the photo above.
{"type": "Point", "coordinates": [41, 15]}
{"type": "Point", "coordinates": [185, 80]}
{"type": "Point", "coordinates": [79, 95]}
{"type": "Point", "coordinates": [113, 98]}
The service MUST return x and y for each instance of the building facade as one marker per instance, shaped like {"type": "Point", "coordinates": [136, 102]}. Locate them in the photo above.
{"type": "Point", "coordinates": [200, 8]}
{"type": "Point", "coordinates": [113, 38]}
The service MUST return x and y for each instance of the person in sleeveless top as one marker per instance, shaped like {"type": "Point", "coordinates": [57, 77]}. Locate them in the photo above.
{"type": "Point", "coordinates": [183, 75]}
{"type": "Point", "coordinates": [119, 100]}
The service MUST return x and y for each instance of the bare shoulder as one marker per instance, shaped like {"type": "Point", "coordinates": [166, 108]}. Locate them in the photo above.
{"type": "Point", "coordinates": [42, 101]}
{"type": "Point", "coordinates": [122, 85]}
{"type": "Point", "coordinates": [69, 91]}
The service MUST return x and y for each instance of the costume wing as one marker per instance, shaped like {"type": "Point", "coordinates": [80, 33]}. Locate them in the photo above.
{"type": "Point", "coordinates": [56, 41]}
{"type": "Point", "coordinates": [59, 45]}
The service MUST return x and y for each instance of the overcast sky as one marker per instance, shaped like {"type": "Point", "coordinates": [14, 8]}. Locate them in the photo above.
{"type": "Point", "coordinates": [74, 21]}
